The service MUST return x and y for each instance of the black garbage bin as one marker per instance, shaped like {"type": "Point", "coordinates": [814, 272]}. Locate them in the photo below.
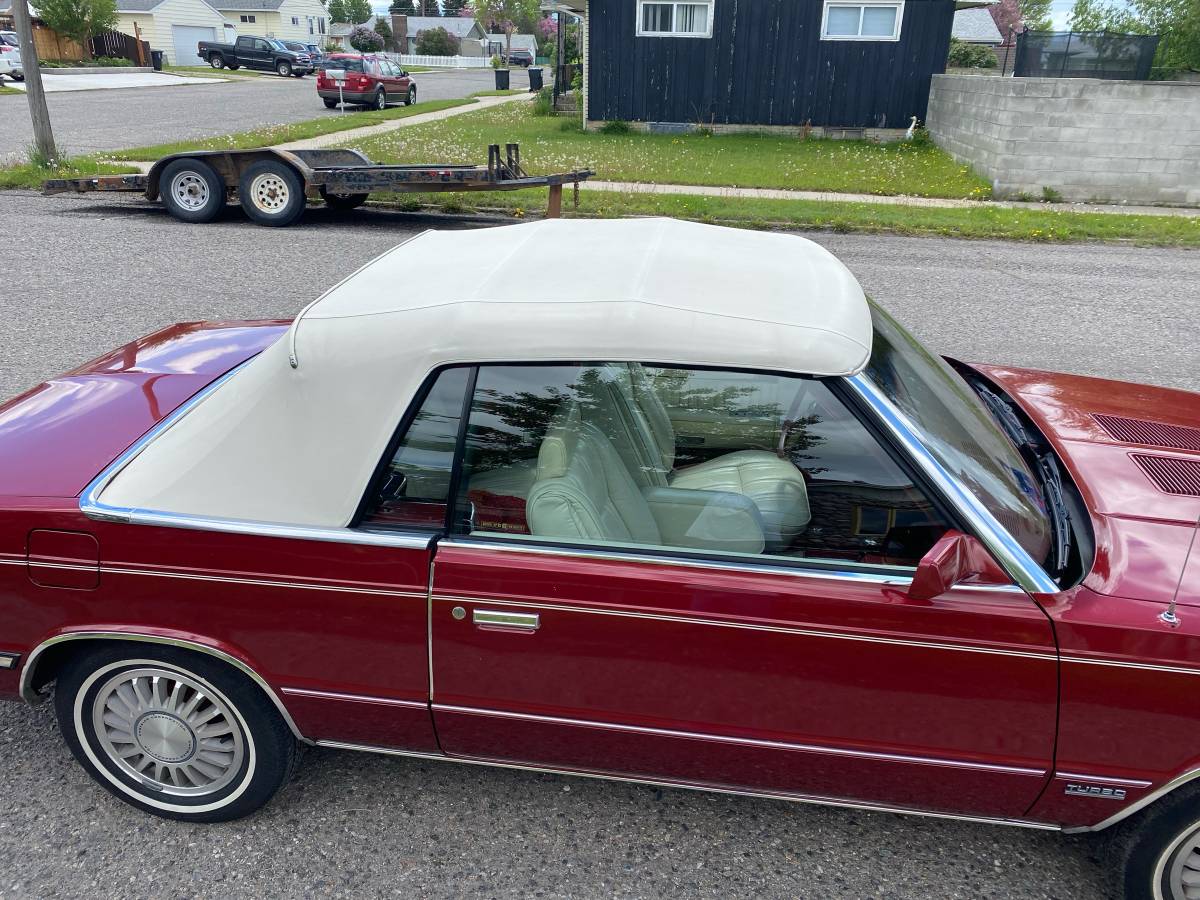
{"type": "Point", "coordinates": [156, 57]}
{"type": "Point", "coordinates": [535, 79]}
{"type": "Point", "coordinates": [501, 79]}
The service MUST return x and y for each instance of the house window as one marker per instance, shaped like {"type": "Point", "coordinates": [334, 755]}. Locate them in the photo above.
{"type": "Point", "coordinates": [321, 24]}
{"type": "Point", "coordinates": [247, 18]}
{"type": "Point", "coordinates": [295, 20]}
{"type": "Point", "coordinates": [658, 19]}
{"type": "Point", "coordinates": [872, 21]}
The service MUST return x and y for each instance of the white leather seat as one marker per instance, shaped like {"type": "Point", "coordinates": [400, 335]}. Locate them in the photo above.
{"type": "Point", "coordinates": [582, 490]}
{"type": "Point", "coordinates": [775, 485]}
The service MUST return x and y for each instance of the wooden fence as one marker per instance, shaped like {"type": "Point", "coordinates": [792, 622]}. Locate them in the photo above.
{"type": "Point", "coordinates": [124, 46]}
{"type": "Point", "coordinates": [52, 45]}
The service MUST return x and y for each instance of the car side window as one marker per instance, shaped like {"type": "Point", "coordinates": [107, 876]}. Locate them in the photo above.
{"type": "Point", "coordinates": [412, 489]}
{"type": "Point", "coordinates": [651, 457]}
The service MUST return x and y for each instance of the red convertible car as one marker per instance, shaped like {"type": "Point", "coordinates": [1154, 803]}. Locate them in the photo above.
{"type": "Point", "coordinates": [702, 516]}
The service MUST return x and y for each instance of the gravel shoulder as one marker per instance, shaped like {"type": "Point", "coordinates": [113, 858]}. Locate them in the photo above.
{"type": "Point", "coordinates": [82, 276]}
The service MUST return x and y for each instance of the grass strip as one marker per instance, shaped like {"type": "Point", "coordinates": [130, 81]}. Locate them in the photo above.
{"type": "Point", "coordinates": [27, 175]}
{"type": "Point", "coordinates": [550, 144]}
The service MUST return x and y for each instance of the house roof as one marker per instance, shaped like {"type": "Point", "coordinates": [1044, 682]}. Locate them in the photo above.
{"type": "Point", "coordinates": [659, 290]}
{"type": "Point", "coordinates": [976, 26]}
{"type": "Point", "coordinates": [456, 25]}
{"type": "Point", "coordinates": [244, 5]}
{"type": "Point", "coordinates": [135, 6]}
{"type": "Point", "coordinates": [523, 42]}
{"type": "Point", "coordinates": [341, 29]}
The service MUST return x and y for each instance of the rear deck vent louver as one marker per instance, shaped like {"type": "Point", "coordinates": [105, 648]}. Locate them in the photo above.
{"type": "Point", "coordinates": [1149, 434]}
{"type": "Point", "coordinates": [1170, 473]}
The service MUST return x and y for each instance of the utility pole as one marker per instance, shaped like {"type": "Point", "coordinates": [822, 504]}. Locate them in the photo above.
{"type": "Point", "coordinates": [43, 136]}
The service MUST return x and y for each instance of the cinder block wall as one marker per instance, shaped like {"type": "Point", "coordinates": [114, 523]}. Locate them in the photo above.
{"type": "Point", "coordinates": [1115, 141]}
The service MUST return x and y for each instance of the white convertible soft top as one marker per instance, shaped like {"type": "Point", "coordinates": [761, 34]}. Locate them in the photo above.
{"type": "Point", "coordinates": [297, 444]}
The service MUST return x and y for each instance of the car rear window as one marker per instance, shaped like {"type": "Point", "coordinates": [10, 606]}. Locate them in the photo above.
{"type": "Point", "coordinates": [350, 65]}
{"type": "Point", "coordinates": [10, 39]}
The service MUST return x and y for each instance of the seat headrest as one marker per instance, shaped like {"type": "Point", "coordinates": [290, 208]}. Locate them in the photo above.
{"type": "Point", "coordinates": [558, 446]}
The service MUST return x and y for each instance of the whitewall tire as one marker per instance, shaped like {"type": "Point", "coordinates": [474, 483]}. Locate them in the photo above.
{"type": "Point", "coordinates": [173, 732]}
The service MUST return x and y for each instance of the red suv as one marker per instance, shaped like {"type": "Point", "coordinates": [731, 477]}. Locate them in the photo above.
{"type": "Point", "coordinates": [370, 81]}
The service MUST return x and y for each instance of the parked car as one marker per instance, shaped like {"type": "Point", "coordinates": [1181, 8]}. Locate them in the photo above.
{"type": "Point", "coordinates": [266, 54]}
{"type": "Point", "coordinates": [518, 57]}
{"type": "Point", "coordinates": [370, 81]}
{"type": "Point", "coordinates": [313, 51]}
{"type": "Point", "coordinates": [761, 542]}
{"type": "Point", "coordinates": [10, 56]}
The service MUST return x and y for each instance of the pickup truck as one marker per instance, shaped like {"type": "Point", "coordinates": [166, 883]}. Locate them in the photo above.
{"type": "Point", "coordinates": [257, 53]}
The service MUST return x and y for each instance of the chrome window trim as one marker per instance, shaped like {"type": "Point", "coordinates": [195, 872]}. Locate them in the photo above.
{"type": "Point", "coordinates": [1008, 552]}
{"type": "Point", "coordinates": [689, 786]}
{"type": "Point", "coordinates": [33, 698]}
{"type": "Point", "coordinates": [741, 741]}
{"type": "Point", "coordinates": [1050, 656]}
{"type": "Point", "coordinates": [94, 508]}
{"type": "Point", "coordinates": [750, 567]}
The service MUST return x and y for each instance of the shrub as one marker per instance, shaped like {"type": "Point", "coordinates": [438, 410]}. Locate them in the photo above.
{"type": "Point", "coordinates": [543, 104]}
{"type": "Point", "coordinates": [970, 56]}
{"type": "Point", "coordinates": [615, 127]}
{"type": "Point", "coordinates": [437, 42]}
{"type": "Point", "coordinates": [497, 62]}
{"type": "Point", "coordinates": [365, 40]}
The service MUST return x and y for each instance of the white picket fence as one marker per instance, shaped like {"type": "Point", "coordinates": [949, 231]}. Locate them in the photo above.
{"type": "Point", "coordinates": [443, 62]}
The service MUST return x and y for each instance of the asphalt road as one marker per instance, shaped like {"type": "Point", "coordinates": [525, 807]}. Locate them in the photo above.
{"type": "Point", "coordinates": [93, 121]}
{"type": "Point", "coordinates": [79, 277]}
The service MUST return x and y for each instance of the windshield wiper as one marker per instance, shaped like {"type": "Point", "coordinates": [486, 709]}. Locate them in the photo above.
{"type": "Point", "coordinates": [1007, 419]}
{"type": "Point", "coordinates": [1060, 518]}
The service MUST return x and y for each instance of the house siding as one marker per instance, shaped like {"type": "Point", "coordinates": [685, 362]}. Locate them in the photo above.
{"type": "Point", "coordinates": [764, 65]}
{"type": "Point", "coordinates": [156, 25]}
{"type": "Point", "coordinates": [146, 25]}
{"type": "Point", "coordinates": [301, 9]}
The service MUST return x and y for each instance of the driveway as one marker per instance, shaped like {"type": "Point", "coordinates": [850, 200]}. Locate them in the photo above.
{"type": "Point", "coordinates": [81, 277]}
{"type": "Point", "coordinates": [92, 121]}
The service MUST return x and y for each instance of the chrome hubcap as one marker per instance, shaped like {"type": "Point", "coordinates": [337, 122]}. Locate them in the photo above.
{"type": "Point", "coordinates": [168, 732]}
{"type": "Point", "coordinates": [190, 191]}
{"type": "Point", "coordinates": [1183, 870]}
{"type": "Point", "coordinates": [269, 193]}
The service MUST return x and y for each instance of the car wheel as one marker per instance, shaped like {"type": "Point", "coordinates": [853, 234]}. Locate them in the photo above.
{"type": "Point", "coordinates": [192, 191]}
{"type": "Point", "coordinates": [343, 202]}
{"type": "Point", "coordinates": [331, 104]}
{"type": "Point", "coordinates": [172, 732]}
{"type": "Point", "coordinates": [271, 193]}
{"type": "Point", "coordinates": [216, 61]}
{"type": "Point", "coordinates": [284, 68]}
{"type": "Point", "coordinates": [381, 99]}
{"type": "Point", "coordinates": [412, 96]}
{"type": "Point", "coordinates": [16, 77]}
{"type": "Point", "coordinates": [1159, 849]}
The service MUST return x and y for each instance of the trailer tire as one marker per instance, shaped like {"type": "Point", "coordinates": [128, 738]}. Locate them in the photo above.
{"type": "Point", "coordinates": [343, 202]}
{"type": "Point", "coordinates": [192, 191]}
{"type": "Point", "coordinates": [272, 193]}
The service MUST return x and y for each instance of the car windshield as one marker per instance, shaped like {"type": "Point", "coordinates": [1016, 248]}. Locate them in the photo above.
{"type": "Point", "coordinates": [278, 45]}
{"type": "Point", "coordinates": [958, 430]}
{"type": "Point", "coordinates": [10, 39]}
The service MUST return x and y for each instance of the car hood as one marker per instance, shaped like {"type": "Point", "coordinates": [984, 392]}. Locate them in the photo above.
{"type": "Point", "coordinates": [1134, 452]}
{"type": "Point", "coordinates": [55, 438]}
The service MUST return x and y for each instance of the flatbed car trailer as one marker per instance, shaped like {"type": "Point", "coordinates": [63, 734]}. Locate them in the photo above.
{"type": "Point", "coordinates": [274, 186]}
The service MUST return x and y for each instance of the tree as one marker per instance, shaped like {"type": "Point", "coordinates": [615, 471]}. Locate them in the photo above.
{"type": "Point", "coordinates": [337, 12]}
{"type": "Point", "coordinates": [401, 7]}
{"type": "Point", "coordinates": [384, 30]}
{"type": "Point", "coordinates": [505, 15]}
{"type": "Point", "coordinates": [358, 11]}
{"type": "Point", "coordinates": [437, 42]}
{"type": "Point", "coordinates": [453, 8]}
{"type": "Point", "coordinates": [1035, 14]}
{"type": "Point", "coordinates": [365, 40]}
{"type": "Point", "coordinates": [1007, 16]}
{"type": "Point", "coordinates": [80, 20]}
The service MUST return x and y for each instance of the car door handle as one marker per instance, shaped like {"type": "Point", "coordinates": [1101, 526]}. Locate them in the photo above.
{"type": "Point", "coordinates": [517, 621]}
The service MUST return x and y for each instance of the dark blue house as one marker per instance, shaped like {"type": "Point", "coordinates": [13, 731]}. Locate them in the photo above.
{"type": "Point", "coordinates": [826, 63]}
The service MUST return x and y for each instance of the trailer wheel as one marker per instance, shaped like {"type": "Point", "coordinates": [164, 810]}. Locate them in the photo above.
{"type": "Point", "coordinates": [343, 202]}
{"type": "Point", "coordinates": [271, 193]}
{"type": "Point", "coordinates": [192, 191]}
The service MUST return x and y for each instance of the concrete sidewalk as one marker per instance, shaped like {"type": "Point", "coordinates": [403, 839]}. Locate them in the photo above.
{"type": "Point", "coordinates": [57, 83]}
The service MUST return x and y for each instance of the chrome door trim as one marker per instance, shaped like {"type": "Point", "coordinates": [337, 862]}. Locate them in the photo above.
{"type": "Point", "coordinates": [1050, 655]}
{"type": "Point", "coordinates": [750, 567]}
{"type": "Point", "coordinates": [94, 508]}
{"type": "Point", "coordinates": [1175, 783]}
{"type": "Point", "coordinates": [258, 582]}
{"type": "Point", "coordinates": [32, 697]}
{"type": "Point", "coordinates": [354, 698]}
{"type": "Point", "coordinates": [1122, 664]}
{"type": "Point", "coordinates": [495, 618]}
{"type": "Point", "coordinates": [691, 786]}
{"type": "Point", "coordinates": [1008, 552]}
{"type": "Point", "coordinates": [743, 742]}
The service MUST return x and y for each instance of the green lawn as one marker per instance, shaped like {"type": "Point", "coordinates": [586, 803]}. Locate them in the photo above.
{"type": "Point", "coordinates": [983, 221]}
{"type": "Point", "coordinates": [213, 73]}
{"type": "Point", "coordinates": [31, 177]}
{"type": "Point", "coordinates": [295, 131]}
{"type": "Point", "coordinates": [5, 89]}
{"type": "Point", "coordinates": [496, 93]}
{"type": "Point", "coordinates": [551, 144]}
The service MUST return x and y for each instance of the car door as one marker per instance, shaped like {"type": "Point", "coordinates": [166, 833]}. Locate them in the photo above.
{"type": "Point", "coordinates": [264, 56]}
{"type": "Point", "coordinates": [800, 670]}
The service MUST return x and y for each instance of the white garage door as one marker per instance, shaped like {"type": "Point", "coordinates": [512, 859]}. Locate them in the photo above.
{"type": "Point", "coordinates": [186, 37]}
